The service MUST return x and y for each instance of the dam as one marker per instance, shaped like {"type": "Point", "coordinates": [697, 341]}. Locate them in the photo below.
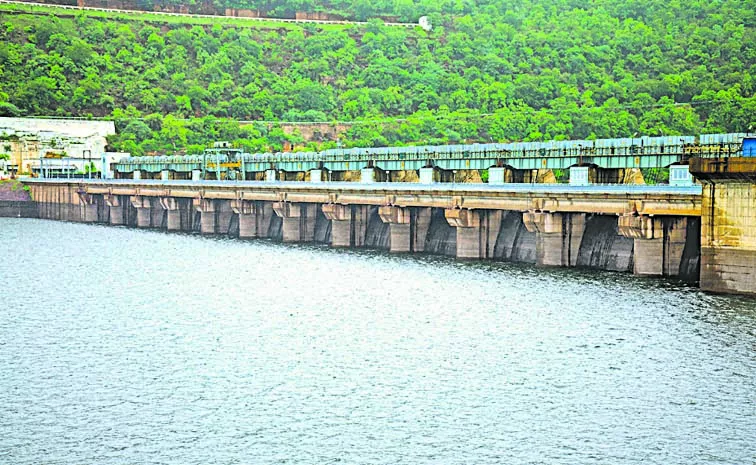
{"type": "Point", "coordinates": [698, 227]}
{"type": "Point", "coordinates": [646, 230]}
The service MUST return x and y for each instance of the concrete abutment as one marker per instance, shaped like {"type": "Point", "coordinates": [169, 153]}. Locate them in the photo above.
{"type": "Point", "coordinates": [728, 223]}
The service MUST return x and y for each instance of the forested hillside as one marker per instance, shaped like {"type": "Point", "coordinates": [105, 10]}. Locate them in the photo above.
{"type": "Point", "coordinates": [494, 70]}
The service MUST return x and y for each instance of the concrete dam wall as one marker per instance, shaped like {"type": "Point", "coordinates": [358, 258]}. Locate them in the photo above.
{"type": "Point", "coordinates": [593, 241]}
{"type": "Point", "coordinates": [645, 230]}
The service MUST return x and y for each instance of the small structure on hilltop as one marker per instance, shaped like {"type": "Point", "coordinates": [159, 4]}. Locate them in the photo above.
{"type": "Point", "coordinates": [425, 23]}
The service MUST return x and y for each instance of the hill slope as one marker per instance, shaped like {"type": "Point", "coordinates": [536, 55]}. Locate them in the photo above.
{"type": "Point", "coordinates": [494, 70]}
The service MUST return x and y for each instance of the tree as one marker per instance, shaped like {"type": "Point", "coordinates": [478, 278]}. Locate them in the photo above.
{"type": "Point", "coordinates": [9, 109]}
{"type": "Point", "coordinates": [138, 130]}
{"type": "Point", "coordinates": [501, 70]}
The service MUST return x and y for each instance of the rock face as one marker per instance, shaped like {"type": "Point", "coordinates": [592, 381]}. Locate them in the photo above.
{"type": "Point", "coordinates": [633, 176]}
{"type": "Point", "coordinates": [405, 176]}
{"type": "Point", "coordinates": [15, 201]}
{"type": "Point", "coordinates": [546, 177]}
{"type": "Point", "coordinates": [468, 176]}
{"type": "Point", "coordinates": [13, 190]}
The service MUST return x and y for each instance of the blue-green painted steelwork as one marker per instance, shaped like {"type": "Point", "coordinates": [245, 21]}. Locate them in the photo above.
{"type": "Point", "coordinates": [643, 152]}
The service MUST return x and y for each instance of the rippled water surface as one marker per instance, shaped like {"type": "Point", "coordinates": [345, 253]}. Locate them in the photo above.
{"type": "Point", "coordinates": [124, 346]}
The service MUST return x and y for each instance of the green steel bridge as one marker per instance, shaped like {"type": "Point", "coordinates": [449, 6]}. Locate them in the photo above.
{"type": "Point", "coordinates": [643, 152]}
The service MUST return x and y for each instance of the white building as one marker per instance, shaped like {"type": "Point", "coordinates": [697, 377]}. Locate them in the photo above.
{"type": "Point", "coordinates": [27, 140]}
{"type": "Point", "coordinates": [69, 166]}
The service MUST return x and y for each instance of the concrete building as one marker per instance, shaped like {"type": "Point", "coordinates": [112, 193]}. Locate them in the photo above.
{"type": "Point", "coordinates": [54, 167]}
{"type": "Point", "coordinates": [27, 140]}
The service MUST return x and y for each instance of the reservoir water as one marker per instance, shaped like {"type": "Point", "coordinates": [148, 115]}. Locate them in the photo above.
{"type": "Point", "coordinates": [129, 346]}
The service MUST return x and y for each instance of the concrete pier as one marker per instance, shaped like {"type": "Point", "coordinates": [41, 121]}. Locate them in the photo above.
{"type": "Point", "coordinates": [206, 209]}
{"type": "Point", "coordinates": [408, 227]}
{"type": "Point", "coordinates": [558, 236]}
{"type": "Point", "coordinates": [254, 217]}
{"type": "Point", "coordinates": [117, 209]}
{"type": "Point", "coordinates": [499, 175]}
{"type": "Point", "coordinates": [298, 220]}
{"type": "Point", "coordinates": [215, 215]}
{"type": "Point", "coordinates": [428, 175]}
{"type": "Point", "coordinates": [469, 240]}
{"type": "Point", "coordinates": [658, 243]}
{"type": "Point", "coordinates": [477, 231]}
{"type": "Point", "coordinates": [88, 208]}
{"type": "Point", "coordinates": [348, 224]}
{"type": "Point", "coordinates": [368, 175]}
{"type": "Point", "coordinates": [173, 213]}
{"type": "Point", "coordinates": [144, 210]}
{"type": "Point", "coordinates": [317, 175]}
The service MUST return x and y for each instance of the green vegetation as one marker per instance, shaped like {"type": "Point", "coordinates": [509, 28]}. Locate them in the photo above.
{"type": "Point", "coordinates": [88, 168]}
{"type": "Point", "coordinates": [655, 175]}
{"type": "Point", "coordinates": [489, 71]}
